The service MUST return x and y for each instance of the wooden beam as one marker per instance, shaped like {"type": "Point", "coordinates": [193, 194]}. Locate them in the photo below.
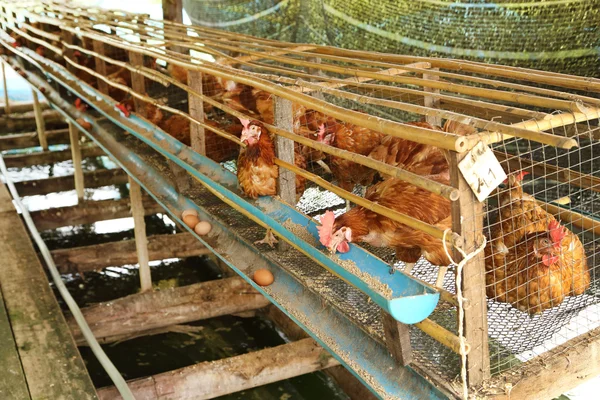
{"type": "Point", "coordinates": [22, 106]}
{"type": "Point", "coordinates": [397, 339]}
{"type": "Point", "coordinates": [50, 360]}
{"type": "Point", "coordinates": [12, 380]}
{"type": "Point", "coordinates": [134, 314]}
{"type": "Point", "coordinates": [138, 83]}
{"type": "Point", "coordinates": [25, 140]}
{"type": "Point", "coordinates": [467, 221]}
{"type": "Point", "coordinates": [230, 375]}
{"type": "Point", "coordinates": [94, 179]}
{"type": "Point", "coordinates": [26, 121]}
{"type": "Point", "coordinates": [7, 109]}
{"type": "Point", "coordinates": [141, 243]}
{"type": "Point", "coordinates": [98, 256]}
{"type": "Point", "coordinates": [89, 212]}
{"type": "Point", "coordinates": [344, 378]}
{"type": "Point", "coordinates": [76, 157]}
{"type": "Point", "coordinates": [49, 157]}
{"type": "Point", "coordinates": [39, 121]}
{"type": "Point", "coordinates": [430, 101]}
{"type": "Point", "coordinates": [196, 107]}
{"type": "Point", "coordinates": [561, 369]}
{"type": "Point", "coordinates": [67, 37]}
{"type": "Point", "coordinates": [100, 65]}
{"type": "Point", "coordinates": [172, 10]}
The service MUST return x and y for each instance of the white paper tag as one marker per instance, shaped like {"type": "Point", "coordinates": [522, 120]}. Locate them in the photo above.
{"type": "Point", "coordinates": [482, 171]}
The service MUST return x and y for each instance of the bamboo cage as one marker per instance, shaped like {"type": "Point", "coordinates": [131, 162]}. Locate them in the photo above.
{"type": "Point", "coordinates": [196, 84]}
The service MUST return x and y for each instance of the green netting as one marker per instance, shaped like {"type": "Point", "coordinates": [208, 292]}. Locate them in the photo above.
{"type": "Point", "coordinates": [556, 35]}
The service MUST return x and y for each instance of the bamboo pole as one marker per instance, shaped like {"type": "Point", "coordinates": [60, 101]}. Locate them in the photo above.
{"type": "Point", "coordinates": [6, 101]}
{"type": "Point", "coordinates": [442, 335]}
{"type": "Point", "coordinates": [587, 224]}
{"type": "Point", "coordinates": [141, 243]}
{"type": "Point", "coordinates": [554, 121]}
{"type": "Point", "coordinates": [76, 155]}
{"type": "Point", "coordinates": [39, 121]}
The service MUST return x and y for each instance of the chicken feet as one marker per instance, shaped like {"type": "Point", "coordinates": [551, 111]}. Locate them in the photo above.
{"type": "Point", "coordinates": [269, 239]}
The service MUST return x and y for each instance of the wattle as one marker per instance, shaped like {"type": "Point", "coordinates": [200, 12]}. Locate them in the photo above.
{"type": "Point", "coordinates": [343, 247]}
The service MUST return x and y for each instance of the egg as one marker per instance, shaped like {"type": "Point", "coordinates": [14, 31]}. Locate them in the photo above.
{"type": "Point", "coordinates": [202, 228]}
{"type": "Point", "coordinates": [263, 277]}
{"type": "Point", "coordinates": [189, 211]}
{"type": "Point", "coordinates": [191, 220]}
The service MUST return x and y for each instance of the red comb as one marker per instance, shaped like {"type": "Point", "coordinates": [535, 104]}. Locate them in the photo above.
{"type": "Point", "coordinates": [245, 122]}
{"type": "Point", "coordinates": [321, 133]}
{"type": "Point", "coordinates": [518, 176]}
{"type": "Point", "coordinates": [326, 228]}
{"type": "Point", "coordinates": [77, 102]}
{"type": "Point", "coordinates": [76, 53]}
{"type": "Point", "coordinates": [557, 232]}
{"type": "Point", "coordinates": [123, 109]}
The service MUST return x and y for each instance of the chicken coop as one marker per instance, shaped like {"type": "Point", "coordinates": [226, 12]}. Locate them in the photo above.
{"type": "Point", "coordinates": [436, 219]}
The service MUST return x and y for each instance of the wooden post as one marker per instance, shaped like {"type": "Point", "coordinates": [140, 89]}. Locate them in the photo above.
{"type": "Point", "coordinates": [138, 83]}
{"type": "Point", "coordinates": [6, 101]}
{"type": "Point", "coordinates": [467, 221]}
{"type": "Point", "coordinates": [284, 150]}
{"type": "Point", "coordinates": [196, 108]}
{"type": "Point", "coordinates": [173, 10]}
{"type": "Point", "coordinates": [316, 72]}
{"type": "Point", "coordinates": [100, 66]}
{"type": "Point", "coordinates": [397, 339]}
{"type": "Point", "coordinates": [67, 37]}
{"type": "Point", "coordinates": [141, 243]}
{"type": "Point", "coordinates": [433, 102]}
{"type": "Point", "coordinates": [39, 121]}
{"type": "Point", "coordinates": [76, 156]}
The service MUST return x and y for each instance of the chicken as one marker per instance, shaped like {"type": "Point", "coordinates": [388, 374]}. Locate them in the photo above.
{"type": "Point", "coordinates": [354, 139]}
{"type": "Point", "coordinates": [532, 261]}
{"type": "Point", "coordinates": [363, 225]}
{"type": "Point", "coordinates": [256, 169]}
{"type": "Point", "coordinates": [418, 158]}
{"type": "Point", "coordinates": [217, 147]}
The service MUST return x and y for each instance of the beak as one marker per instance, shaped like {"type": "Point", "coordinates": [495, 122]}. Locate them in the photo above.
{"type": "Point", "coordinates": [245, 135]}
{"type": "Point", "coordinates": [338, 238]}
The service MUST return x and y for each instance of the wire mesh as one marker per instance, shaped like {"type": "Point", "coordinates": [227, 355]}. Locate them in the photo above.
{"type": "Point", "coordinates": [367, 124]}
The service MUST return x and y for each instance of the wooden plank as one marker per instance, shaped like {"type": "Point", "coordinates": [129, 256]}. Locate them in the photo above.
{"type": "Point", "coordinates": [26, 121]}
{"type": "Point", "coordinates": [89, 212]}
{"type": "Point", "coordinates": [134, 314]}
{"type": "Point", "coordinates": [23, 106]}
{"type": "Point", "coordinates": [467, 221]}
{"type": "Point", "coordinates": [25, 140]}
{"type": "Point", "coordinates": [12, 378]}
{"type": "Point", "coordinates": [39, 121]}
{"type": "Point", "coordinates": [212, 379]}
{"type": "Point", "coordinates": [76, 156]}
{"type": "Point", "coordinates": [49, 157]}
{"type": "Point", "coordinates": [138, 83]}
{"type": "Point", "coordinates": [51, 362]}
{"type": "Point", "coordinates": [94, 179]}
{"type": "Point", "coordinates": [196, 107]}
{"type": "Point", "coordinates": [560, 370]}
{"type": "Point", "coordinates": [397, 339]}
{"type": "Point", "coordinates": [99, 256]}
{"type": "Point", "coordinates": [141, 243]}
{"type": "Point", "coordinates": [432, 102]}
{"type": "Point", "coordinates": [100, 65]}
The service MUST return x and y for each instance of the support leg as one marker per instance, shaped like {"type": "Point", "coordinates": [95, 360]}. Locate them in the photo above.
{"type": "Point", "coordinates": [269, 239]}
